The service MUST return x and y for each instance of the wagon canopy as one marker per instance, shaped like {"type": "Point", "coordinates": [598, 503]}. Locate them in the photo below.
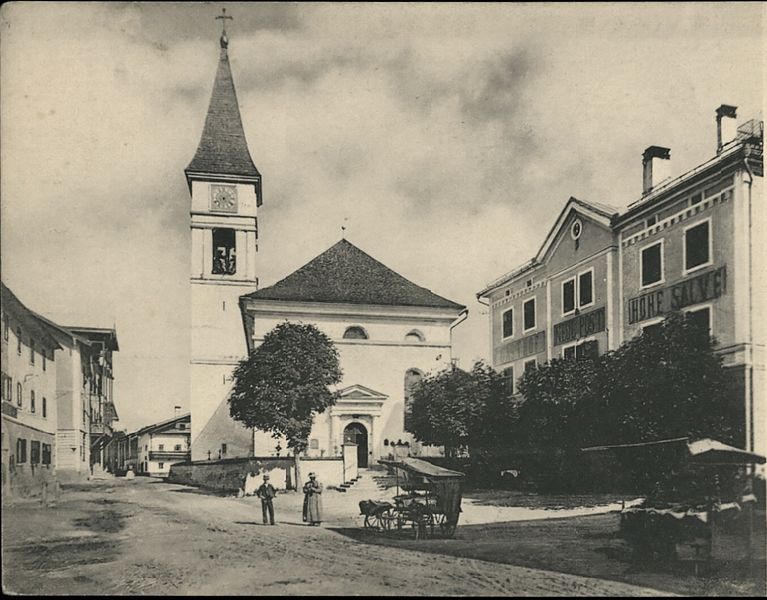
{"type": "Point", "coordinates": [703, 451]}
{"type": "Point", "coordinates": [422, 468]}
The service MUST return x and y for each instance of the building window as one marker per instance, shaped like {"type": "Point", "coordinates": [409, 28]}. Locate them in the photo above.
{"type": "Point", "coordinates": [697, 246]}
{"type": "Point", "coordinates": [31, 351]}
{"type": "Point", "coordinates": [18, 340]}
{"type": "Point", "coordinates": [651, 264]}
{"type": "Point", "coordinates": [19, 399]}
{"type": "Point", "coordinates": [586, 288]}
{"type": "Point", "coordinates": [412, 377]}
{"type": "Point", "coordinates": [508, 380]}
{"type": "Point", "coordinates": [160, 465]}
{"type": "Point", "coordinates": [32, 401]}
{"type": "Point", "coordinates": [529, 314]}
{"type": "Point", "coordinates": [701, 317]}
{"type": "Point", "coordinates": [223, 449]}
{"type": "Point", "coordinates": [21, 450]}
{"type": "Point", "coordinates": [530, 364]}
{"type": "Point", "coordinates": [568, 296]}
{"type": "Point", "coordinates": [652, 328]}
{"type": "Point", "coordinates": [415, 336]}
{"type": "Point", "coordinates": [508, 323]}
{"type": "Point", "coordinates": [651, 221]}
{"type": "Point", "coordinates": [7, 388]}
{"type": "Point", "coordinates": [355, 333]}
{"type": "Point", "coordinates": [34, 453]}
{"type": "Point", "coordinates": [224, 252]}
{"type": "Point", "coordinates": [314, 444]}
{"type": "Point", "coordinates": [45, 407]}
{"type": "Point", "coordinates": [177, 447]}
{"type": "Point", "coordinates": [578, 351]}
{"type": "Point", "coordinates": [161, 447]}
{"type": "Point", "coordinates": [46, 454]}
{"type": "Point", "coordinates": [696, 198]}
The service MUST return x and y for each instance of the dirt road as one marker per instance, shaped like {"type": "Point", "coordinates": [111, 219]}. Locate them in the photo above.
{"type": "Point", "coordinates": [148, 537]}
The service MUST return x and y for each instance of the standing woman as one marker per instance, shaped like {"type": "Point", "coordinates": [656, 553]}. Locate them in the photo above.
{"type": "Point", "coordinates": [312, 503]}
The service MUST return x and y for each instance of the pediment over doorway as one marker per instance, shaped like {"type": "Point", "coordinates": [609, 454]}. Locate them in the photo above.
{"type": "Point", "coordinates": [358, 399]}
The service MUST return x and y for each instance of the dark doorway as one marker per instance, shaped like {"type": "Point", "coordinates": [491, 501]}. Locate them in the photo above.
{"type": "Point", "coordinates": [355, 433]}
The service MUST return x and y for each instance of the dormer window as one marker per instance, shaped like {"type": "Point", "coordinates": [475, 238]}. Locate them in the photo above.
{"type": "Point", "coordinates": [355, 333]}
{"type": "Point", "coordinates": [224, 252]}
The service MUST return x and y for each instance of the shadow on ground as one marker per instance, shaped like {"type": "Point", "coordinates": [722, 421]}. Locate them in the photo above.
{"type": "Point", "coordinates": [588, 546]}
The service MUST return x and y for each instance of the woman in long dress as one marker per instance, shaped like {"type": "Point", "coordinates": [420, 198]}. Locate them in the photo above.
{"type": "Point", "coordinates": [312, 500]}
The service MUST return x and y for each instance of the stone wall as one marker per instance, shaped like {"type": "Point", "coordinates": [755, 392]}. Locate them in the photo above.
{"type": "Point", "coordinates": [228, 475]}
{"type": "Point", "coordinates": [330, 471]}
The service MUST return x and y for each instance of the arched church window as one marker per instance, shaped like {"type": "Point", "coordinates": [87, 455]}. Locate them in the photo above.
{"type": "Point", "coordinates": [415, 336]}
{"type": "Point", "coordinates": [355, 333]}
{"type": "Point", "coordinates": [224, 252]}
{"type": "Point", "coordinates": [412, 377]}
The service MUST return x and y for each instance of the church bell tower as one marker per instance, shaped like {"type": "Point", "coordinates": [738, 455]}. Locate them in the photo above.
{"type": "Point", "coordinates": [225, 188]}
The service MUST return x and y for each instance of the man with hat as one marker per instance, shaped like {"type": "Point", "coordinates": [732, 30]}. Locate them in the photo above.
{"type": "Point", "coordinates": [267, 493]}
{"type": "Point", "coordinates": [312, 504]}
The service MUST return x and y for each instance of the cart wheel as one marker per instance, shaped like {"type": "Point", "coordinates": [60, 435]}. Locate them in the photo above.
{"type": "Point", "coordinates": [385, 519]}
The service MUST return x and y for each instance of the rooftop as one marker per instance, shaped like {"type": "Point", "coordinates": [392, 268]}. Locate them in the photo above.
{"type": "Point", "coordinates": [344, 274]}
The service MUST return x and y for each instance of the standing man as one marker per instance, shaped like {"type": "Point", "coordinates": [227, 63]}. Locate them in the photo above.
{"type": "Point", "coordinates": [312, 504]}
{"type": "Point", "coordinates": [267, 493]}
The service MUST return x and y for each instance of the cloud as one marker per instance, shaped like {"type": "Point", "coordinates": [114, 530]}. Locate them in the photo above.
{"type": "Point", "coordinates": [446, 140]}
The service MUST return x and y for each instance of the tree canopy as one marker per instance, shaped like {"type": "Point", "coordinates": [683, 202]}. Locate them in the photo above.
{"type": "Point", "coordinates": [285, 382]}
{"type": "Point", "coordinates": [667, 382]}
{"type": "Point", "coordinates": [456, 408]}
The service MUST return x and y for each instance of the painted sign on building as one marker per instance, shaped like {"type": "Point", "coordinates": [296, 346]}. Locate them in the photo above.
{"type": "Point", "coordinates": [579, 326]}
{"type": "Point", "coordinates": [526, 346]}
{"type": "Point", "coordinates": [707, 286]}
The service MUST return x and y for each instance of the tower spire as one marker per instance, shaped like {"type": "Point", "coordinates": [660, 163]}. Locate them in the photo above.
{"type": "Point", "coordinates": [223, 149]}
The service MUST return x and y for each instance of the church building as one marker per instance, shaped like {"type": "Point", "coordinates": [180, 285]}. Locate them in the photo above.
{"type": "Point", "coordinates": [388, 330]}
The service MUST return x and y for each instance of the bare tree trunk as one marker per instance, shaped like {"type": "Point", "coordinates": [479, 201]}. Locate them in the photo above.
{"type": "Point", "coordinates": [298, 469]}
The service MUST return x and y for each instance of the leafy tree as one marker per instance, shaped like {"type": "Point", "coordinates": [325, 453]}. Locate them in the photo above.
{"type": "Point", "coordinates": [456, 408]}
{"type": "Point", "coordinates": [285, 382]}
{"type": "Point", "coordinates": [666, 383]}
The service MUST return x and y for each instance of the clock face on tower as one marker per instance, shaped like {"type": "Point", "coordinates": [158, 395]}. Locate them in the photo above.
{"type": "Point", "coordinates": [223, 198]}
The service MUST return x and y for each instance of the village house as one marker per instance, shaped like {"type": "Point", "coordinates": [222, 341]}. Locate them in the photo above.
{"type": "Point", "coordinates": [687, 244]}
{"type": "Point", "coordinates": [84, 396]}
{"type": "Point", "coordinates": [160, 445]}
{"type": "Point", "coordinates": [29, 404]}
{"type": "Point", "coordinates": [389, 331]}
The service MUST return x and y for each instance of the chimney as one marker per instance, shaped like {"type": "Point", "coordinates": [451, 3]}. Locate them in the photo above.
{"type": "Point", "coordinates": [176, 411]}
{"type": "Point", "coordinates": [726, 125]}
{"type": "Point", "coordinates": [656, 167]}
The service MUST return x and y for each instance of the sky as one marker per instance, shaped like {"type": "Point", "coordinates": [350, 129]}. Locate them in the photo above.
{"type": "Point", "coordinates": [445, 137]}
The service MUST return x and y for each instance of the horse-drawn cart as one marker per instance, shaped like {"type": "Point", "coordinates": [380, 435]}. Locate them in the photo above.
{"type": "Point", "coordinates": [429, 504]}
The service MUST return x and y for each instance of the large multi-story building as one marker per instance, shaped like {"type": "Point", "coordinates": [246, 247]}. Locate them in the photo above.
{"type": "Point", "coordinates": [100, 387]}
{"type": "Point", "coordinates": [603, 276]}
{"type": "Point", "coordinates": [84, 396]}
{"type": "Point", "coordinates": [28, 356]}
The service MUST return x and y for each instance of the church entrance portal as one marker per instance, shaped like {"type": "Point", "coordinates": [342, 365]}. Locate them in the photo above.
{"type": "Point", "coordinates": [355, 433]}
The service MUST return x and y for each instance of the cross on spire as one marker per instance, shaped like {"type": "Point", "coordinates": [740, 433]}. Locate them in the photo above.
{"type": "Point", "coordinates": [223, 16]}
